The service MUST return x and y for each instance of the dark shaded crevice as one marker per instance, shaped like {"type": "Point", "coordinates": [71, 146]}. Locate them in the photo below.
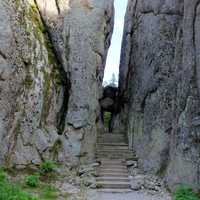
{"type": "Point", "coordinates": [64, 108]}
{"type": "Point", "coordinates": [3, 55]}
{"type": "Point", "coordinates": [57, 5]}
{"type": "Point", "coordinates": [165, 159]}
{"type": "Point", "coordinates": [151, 91]}
{"type": "Point", "coordinates": [194, 44]}
{"type": "Point", "coordinates": [161, 13]}
{"type": "Point", "coordinates": [65, 76]}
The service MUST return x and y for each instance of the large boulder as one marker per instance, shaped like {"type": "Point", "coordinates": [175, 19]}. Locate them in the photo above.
{"type": "Point", "coordinates": [159, 78]}
{"type": "Point", "coordinates": [109, 100]}
{"type": "Point", "coordinates": [52, 57]}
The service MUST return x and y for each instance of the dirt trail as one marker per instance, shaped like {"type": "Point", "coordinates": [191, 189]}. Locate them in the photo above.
{"type": "Point", "coordinates": [142, 195]}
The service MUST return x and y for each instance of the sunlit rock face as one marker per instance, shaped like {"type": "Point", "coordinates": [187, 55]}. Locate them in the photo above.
{"type": "Point", "coordinates": [159, 85]}
{"type": "Point", "coordinates": [52, 56]}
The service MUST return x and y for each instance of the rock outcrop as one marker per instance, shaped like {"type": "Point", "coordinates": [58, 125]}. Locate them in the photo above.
{"type": "Point", "coordinates": [160, 87]}
{"type": "Point", "coordinates": [52, 57]}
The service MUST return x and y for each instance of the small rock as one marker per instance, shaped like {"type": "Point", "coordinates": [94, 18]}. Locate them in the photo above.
{"type": "Point", "coordinates": [68, 188]}
{"type": "Point", "coordinates": [131, 163]}
{"type": "Point", "coordinates": [95, 164]}
{"type": "Point", "coordinates": [137, 182]}
{"type": "Point", "coordinates": [90, 182]}
{"type": "Point", "coordinates": [152, 183]}
{"type": "Point", "coordinates": [85, 169]}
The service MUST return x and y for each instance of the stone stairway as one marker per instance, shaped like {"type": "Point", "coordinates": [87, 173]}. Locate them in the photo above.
{"type": "Point", "coordinates": [113, 152]}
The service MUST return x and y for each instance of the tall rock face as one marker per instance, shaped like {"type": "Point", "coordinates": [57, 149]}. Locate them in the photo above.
{"type": "Point", "coordinates": [160, 87]}
{"type": "Point", "coordinates": [51, 66]}
{"type": "Point", "coordinates": [88, 30]}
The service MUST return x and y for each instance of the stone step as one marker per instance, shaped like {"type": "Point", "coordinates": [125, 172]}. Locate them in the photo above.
{"type": "Point", "coordinates": [113, 151]}
{"type": "Point", "coordinates": [113, 185]}
{"type": "Point", "coordinates": [105, 190]}
{"type": "Point", "coordinates": [115, 156]}
{"type": "Point", "coordinates": [106, 160]}
{"type": "Point", "coordinates": [113, 174]}
{"type": "Point", "coordinates": [112, 147]}
{"type": "Point", "coordinates": [123, 148]}
{"type": "Point", "coordinates": [113, 167]}
{"type": "Point", "coordinates": [111, 163]}
{"type": "Point", "coordinates": [119, 171]}
{"type": "Point", "coordinates": [111, 178]}
{"type": "Point", "coordinates": [113, 140]}
{"type": "Point", "coordinates": [112, 144]}
{"type": "Point", "coordinates": [111, 137]}
{"type": "Point", "coordinates": [107, 135]}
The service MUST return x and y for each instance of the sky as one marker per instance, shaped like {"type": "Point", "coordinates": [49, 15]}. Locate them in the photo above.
{"type": "Point", "coordinates": [113, 59]}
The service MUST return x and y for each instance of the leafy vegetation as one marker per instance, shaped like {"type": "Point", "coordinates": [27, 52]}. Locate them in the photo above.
{"type": "Point", "coordinates": [32, 181]}
{"type": "Point", "coordinates": [28, 189]}
{"type": "Point", "coordinates": [47, 167]}
{"type": "Point", "coordinates": [185, 193]}
{"type": "Point", "coordinates": [49, 192]}
{"type": "Point", "coordinates": [10, 191]}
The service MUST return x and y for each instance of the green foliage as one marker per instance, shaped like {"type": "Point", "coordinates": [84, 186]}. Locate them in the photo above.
{"type": "Point", "coordinates": [49, 192]}
{"type": "Point", "coordinates": [47, 167]}
{"type": "Point", "coordinates": [107, 118]}
{"type": "Point", "coordinates": [32, 181]}
{"type": "Point", "coordinates": [10, 191]}
{"type": "Point", "coordinates": [185, 193]}
{"type": "Point", "coordinates": [2, 175]}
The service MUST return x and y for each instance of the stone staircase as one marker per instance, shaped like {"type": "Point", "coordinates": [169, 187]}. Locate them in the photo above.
{"type": "Point", "coordinates": [113, 152]}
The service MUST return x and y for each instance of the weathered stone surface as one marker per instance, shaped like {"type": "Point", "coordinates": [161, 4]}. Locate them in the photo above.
{"type": "Point", "coordinates": [31, 84]}
{"type": "Point", "coordinates": [52, 56]}
{"type": "Point", "coordinates": [159, 85]}
{"type": "Point", "coordinates": [88, 29]}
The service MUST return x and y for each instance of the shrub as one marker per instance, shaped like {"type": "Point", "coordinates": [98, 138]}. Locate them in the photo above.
{"type": "Point", "coordinates": [2, 175]}
{"type": "Point", "coordinates": [47, 167]}
{"type": "Point", "coordinates": [32, 180]}
{"type": "Point", "coordinates": [10, 191]}
{"type": "Point", "coordinates": [185, 193]}
{"type": "Point", "coordinates": [49, 192]}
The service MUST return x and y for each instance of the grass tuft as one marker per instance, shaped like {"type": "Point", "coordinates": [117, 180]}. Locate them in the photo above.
{"type": "Point", "coordinates": [185, 193]}
{"type": "Point", "coordinates": [32, 180]}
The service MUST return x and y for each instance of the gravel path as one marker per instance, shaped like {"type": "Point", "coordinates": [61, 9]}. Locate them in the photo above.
{"type": "Point", "coordinates": [128, 196]}
{"type": "Point", "coordinates": [132, 196]}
